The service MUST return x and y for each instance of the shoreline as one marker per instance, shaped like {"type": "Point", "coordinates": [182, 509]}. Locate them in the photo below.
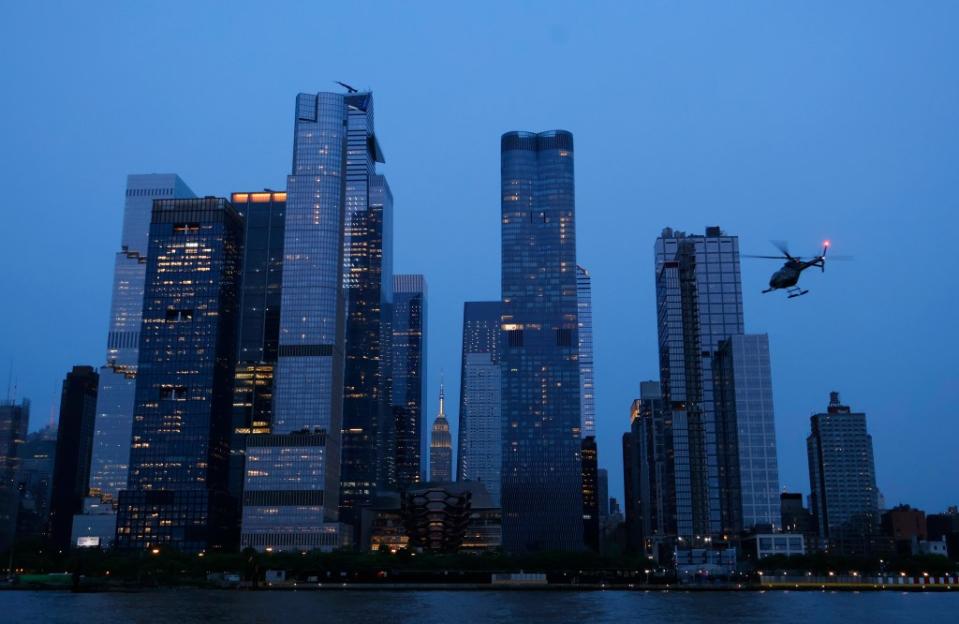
{"type": "Point", "coordinates": [480, 587]}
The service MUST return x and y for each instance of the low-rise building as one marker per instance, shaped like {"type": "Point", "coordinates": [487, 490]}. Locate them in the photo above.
{"type": "Point", "coordinates": [905, 526]}
{"type": "Point", "coordinates": [694, 564]}
{"type": "Point", "coordinates": [761, 545]}
{"type": "Point", "coordinates": [931, 547]}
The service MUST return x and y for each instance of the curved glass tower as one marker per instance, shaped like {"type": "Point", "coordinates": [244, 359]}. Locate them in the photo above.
{"type": "Point", "coordinates": [541, 481]}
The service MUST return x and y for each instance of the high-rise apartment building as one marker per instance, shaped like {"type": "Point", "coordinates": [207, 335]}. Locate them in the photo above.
{"type": "Point", "coordinates": [648, 471]}
{"type": "Point", "coordinates": [292, 484]}
{"type": "Point", "coordinates": [258, 334]}
{"type": "Point", "coordinates": [14, 422]}
{"type": "Point", "coordinates": [480, 432]}
{"type": "Point", "coordinates": [109, 464]}
{"type": "Point", "coordinates": [699, 304]}
{"type": "Point", "coordinates": [842, 478]}
{"type": "Point", "coordinates": [746, 434]}
{"type": "Point", "coordinates": [441, 446]}
{"type": "Point", "coordinates": [34, 481]}
{"type": "Point", "coordinates": [176, 493]}
{"type": "Point", "coordinates": [368, 439]}
{"type": "Point", "coordinates": [71, 473]}
{"type": "Point", "coordinates": [590, 493]}
{"type": "Point", "coordinates": [584, 302]}
{"type": "Point", "coordinates": [602, 493]}
{"type": "Point", "coordinates": [409, 376]}
{"type": "Point", "coordinates": [542, 472]}
{"type": "Point", "coordinates": [795, 518]}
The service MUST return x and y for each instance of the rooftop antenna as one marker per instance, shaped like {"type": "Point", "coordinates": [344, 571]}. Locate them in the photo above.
{"type": "Point", "coordinates": [346, 86]}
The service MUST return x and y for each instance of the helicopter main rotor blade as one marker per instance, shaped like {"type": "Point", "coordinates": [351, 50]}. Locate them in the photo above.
{"type": "Point", "coordinates": [781, 245]}
{"type": "Point", "coordinates": [766, 257]}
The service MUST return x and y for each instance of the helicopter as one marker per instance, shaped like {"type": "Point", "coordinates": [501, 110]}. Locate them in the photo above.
{"type": "Point", "coordinates": [787, 277]}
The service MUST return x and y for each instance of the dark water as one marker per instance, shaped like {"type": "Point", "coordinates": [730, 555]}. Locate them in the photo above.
{"type": "Point", "coordinates": [513, 607]}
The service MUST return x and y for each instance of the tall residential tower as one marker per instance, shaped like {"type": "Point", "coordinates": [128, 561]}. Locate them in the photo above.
{"type": "Point", "coordinates": [842, 478]}
{"type": "Point", "coordinates": [746, 434]}
{"type": "Point", "coordinates": [699, 304]}
{"type": "Point", "coordinates": [584, 298]}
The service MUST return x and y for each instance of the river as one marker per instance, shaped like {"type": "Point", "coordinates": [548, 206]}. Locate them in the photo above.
{"type": "Point", "coordinates": [192, 606]}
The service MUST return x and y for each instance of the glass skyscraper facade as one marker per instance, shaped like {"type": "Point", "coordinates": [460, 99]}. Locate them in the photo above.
{"type": "Point", "coordinates": [584, 298]}
{"type": "Point", "coordinates": [409, 376]}
{"type": "Point", "coordinates": [699, 304]}
{"type": "Point", "coordinates": [115, 397]}
{"type": "Point", "coordinates": [541, 480]}
{"type": "Point", "coordinates": [110, 457]}
{"type": "Point", "coordinates": [480, 432]}
{"type": "Point", "coordinates": [291, 487]}
{"type": "Point", "coordinates": [842, 478]}
{"type": "Point", "coordinates": [368, 452]}
{"type": "Point", "coordinates": [746, 434]}
{"type": "Point", "coordinates": [177, 487]}
{"type": "Point", "coordinates": [264, 215]}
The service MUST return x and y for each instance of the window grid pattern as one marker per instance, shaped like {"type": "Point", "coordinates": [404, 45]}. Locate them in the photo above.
{"type": "Point", "coordinates": [409, 376]}
{"type": "Point", "coordinates": [699, 304]}
{"type": "Point", "coordinates": [110, 460]}
{"type": "Point", "coordinates": [480, 424]}
{"type": "Point", "coordinates": [542, 474]}
{"type": "Point", "coordinates": [180, 436]}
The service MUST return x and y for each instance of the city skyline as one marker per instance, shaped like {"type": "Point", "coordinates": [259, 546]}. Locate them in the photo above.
{"type": "Point", "coordinates": [847, 295]}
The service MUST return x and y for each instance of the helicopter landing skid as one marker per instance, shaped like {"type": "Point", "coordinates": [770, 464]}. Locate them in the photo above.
{"type": "Point", "coordinates": [796, 292]}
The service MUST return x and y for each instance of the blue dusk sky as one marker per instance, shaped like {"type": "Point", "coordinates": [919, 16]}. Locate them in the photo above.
{"type": "Point", "coordinates": [774, 120]}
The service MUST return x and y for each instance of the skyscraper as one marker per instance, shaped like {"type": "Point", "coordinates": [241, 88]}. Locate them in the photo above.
{"type": "Point", "coordinates": [14, 422]}
{"type": "Point", "coordinates": [258, 335]}
{"type": "Point", "coordinates": [409, 376]}
{"type": "Point", "coordinates": [590, 493]}
{"type": "Point", "coordinates": [179, 460]}
{"type": "Point", "coordinates": [368, 431]}
{"type": "Point", "coordinates": [34, 480]}
{"type": "Point", "coordinates": [542, 473]}
{"type": "Point", "coordinates": [480, 432]}
{"type": "Point", "coordinates": [441, 445]}
{"type": "Point", "coordinates": [584, 302]}
{"type": "Point", "coordinates": [602, 493]}
{"type": "Point", "coordinates": [109, 463]}
{"type": "Point", "coordinates": [746, 434]}
{"type": "Point", "coordinates": [292, 484]}
{"type": "Point", "coordinates": [699, 304]}
{"type": "Point", "coordinates": [71, 473]}
{"type": "Point", "coordinates": [648, 470]}
{"type": "Point", "coordinates": [842, 478]}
